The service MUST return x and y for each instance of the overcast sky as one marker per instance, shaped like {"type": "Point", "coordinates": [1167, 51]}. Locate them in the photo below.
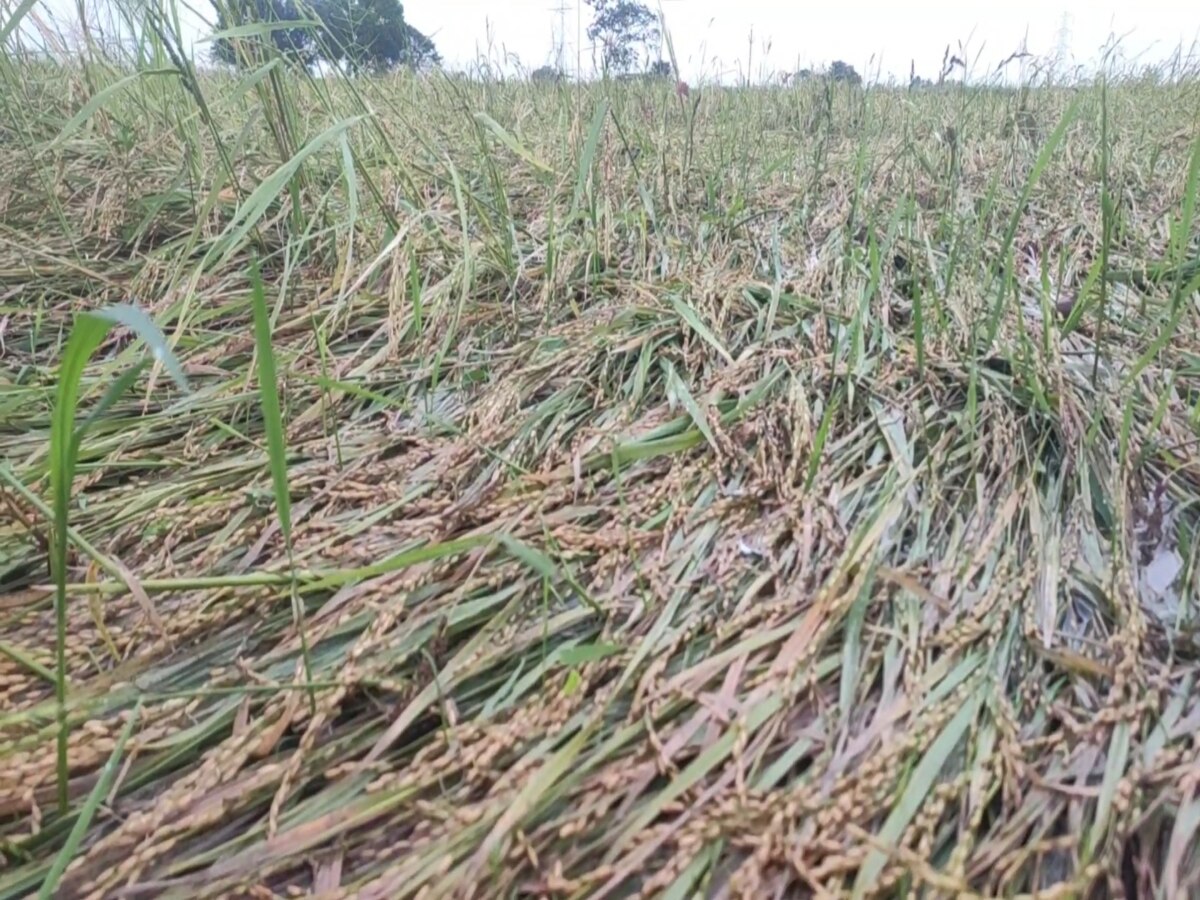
{"type": "Point", "coordinates": [725, 38]}
{"type": "Point", "coordinates": [720, 37]}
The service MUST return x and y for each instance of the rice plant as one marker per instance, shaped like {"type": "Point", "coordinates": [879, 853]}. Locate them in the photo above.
{"type": "Point", "coordinates": [588, 490]}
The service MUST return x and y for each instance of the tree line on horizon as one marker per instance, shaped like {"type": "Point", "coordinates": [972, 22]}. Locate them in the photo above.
{"type": "Point", "coordinates": [373, 35]}
{"type": "Point", "coordinates": [354, 35]}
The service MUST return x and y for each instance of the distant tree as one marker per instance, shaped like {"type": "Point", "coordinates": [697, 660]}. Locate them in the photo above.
{"type": "Point", "coordinates": [661, 68]}
{"type": "Point", "coordinates": [372, 34]}
{"type": "Point", "coordinates": [621, 28]}
{"type": "Point", "coordinates": [295, 43]}
{"type": "Point", "coordinates": [843, 71]}
{"type": "Point", "coordinates": [356, 34]}
{"type": "Point", "coordinates": [546, 74]}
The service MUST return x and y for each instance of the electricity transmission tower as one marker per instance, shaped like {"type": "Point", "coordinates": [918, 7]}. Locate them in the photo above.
{"type": "Point", "coordinates": [560, 35]}
{"type": "Point", "coordinates": [1064, 41]}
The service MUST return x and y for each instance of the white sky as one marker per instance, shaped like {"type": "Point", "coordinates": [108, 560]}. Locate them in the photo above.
{"type": "Point", "coordinates": [721, 39]}
{"type": "Point", "coordinates": [717, 37]}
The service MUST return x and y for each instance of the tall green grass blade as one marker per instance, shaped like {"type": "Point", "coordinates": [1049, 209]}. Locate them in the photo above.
{"type": "Point", "coordinates": [89, 109]}
{"type": "Point", "coordinates": [513, 144]}
{"type": "Point", "coordinates": [587, 158]}
{"type": "Point", "coordinates": [139, 322]}
{"type": "Point", "coordinates": [252, 79]}
{"type": "Point", "coordinates": [256, 205]}
{"type": "Point", "coordinates": [103, 785]}
{"type": "Point", "coordinates": [88, 331]}
{"type": "Point", "coordinates": [1035, 174]}
{"type": "Point", "coordinates": [1182, 229]}
{"type": "Point", "coordinates": [269, 398]}
{"type": "Point", "coordinates": [258, 29]}
{"type": "Point", "coordinates": [276, 446]}
{"type": "Point", "coordinates": [23, 9]}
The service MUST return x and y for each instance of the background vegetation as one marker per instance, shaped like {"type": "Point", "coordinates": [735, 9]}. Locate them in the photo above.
{"type": "Point", "coordinates": [577, 490]}
{"type": "Point", "coordinates": [351, 35]}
